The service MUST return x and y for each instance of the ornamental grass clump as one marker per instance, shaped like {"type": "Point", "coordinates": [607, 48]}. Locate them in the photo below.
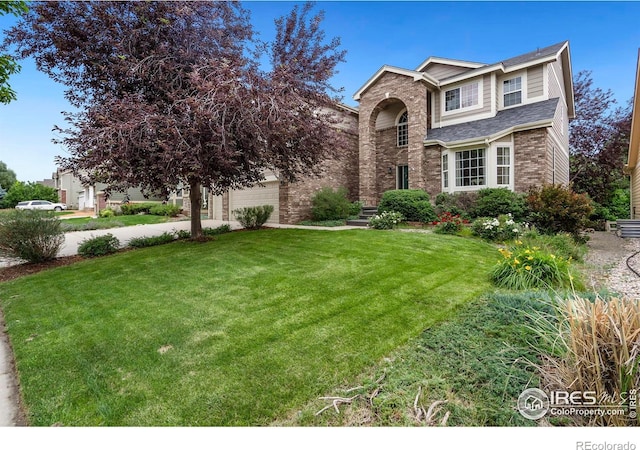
{"type": "Point", "coordinates": [595, 347]}
{"type": "Point", "coordinates": [386, 220]}
{"type": "Point", "coordinates": [523, 267]}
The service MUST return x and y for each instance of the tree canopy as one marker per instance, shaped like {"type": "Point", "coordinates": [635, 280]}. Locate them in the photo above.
{"type": "Point", "coordinates": [8, 65]}
{"type": "Point", "coordinates": [21, 191]}
{"type": "Point", "coordinates": [7, 176]}
{"type": "Point", "coordinates": [599, 140]}
{"type": "Point", "coordinates": [171, 93]}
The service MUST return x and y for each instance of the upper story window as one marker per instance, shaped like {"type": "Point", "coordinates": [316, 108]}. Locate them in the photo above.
{"type": "Point", "coordinates": [403, 130]}
{"type": "Point", "coordinates": [461, 97]}
{"type": "Point", "coordinates": [512, 91]}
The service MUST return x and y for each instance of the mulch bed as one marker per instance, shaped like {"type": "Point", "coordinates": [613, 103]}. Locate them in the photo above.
{"type": "Point", "coordinates": [20, 270]}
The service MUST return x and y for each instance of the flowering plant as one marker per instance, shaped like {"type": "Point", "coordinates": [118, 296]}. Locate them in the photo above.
{"type": "Point", "coordinates": [386, 220]}
{"type": "Point", "coordinates": [449, 223]}
{"type": "Point", "coordinates": [503, 228]}
{"type": "Point", "coordinates": [524, 267]}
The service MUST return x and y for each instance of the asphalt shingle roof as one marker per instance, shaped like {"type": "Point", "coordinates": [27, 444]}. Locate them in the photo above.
{"type": "Point", "coordinates": [503, 120]}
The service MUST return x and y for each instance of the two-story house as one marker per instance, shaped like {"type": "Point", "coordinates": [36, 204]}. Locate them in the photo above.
{"type": "Point", "coordinates": [447, 126]}
{"type": "Point", "coordinates": [451, 126]}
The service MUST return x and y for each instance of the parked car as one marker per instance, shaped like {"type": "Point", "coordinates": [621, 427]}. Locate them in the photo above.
{"type": "Point", "coordinates": [41, 204]}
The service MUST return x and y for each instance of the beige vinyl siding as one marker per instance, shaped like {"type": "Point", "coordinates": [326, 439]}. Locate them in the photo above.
{"type": "Point", "coordinates": [442, 71]}
{"type": "Point", "coordinates": [486, 101]}
{"type": "Point", "coordinates": [560, 163]}
{"type": "Point", "coordinates": [387, 117]}
{"type": "Point", "coordinates": [437, 111]}
{"type": "Point", "coordinates": [560, 125]}
{"type": "Point", "coordinates": [635, 193]}
{"type": "Point", "coordinates": [556, 87]}
{"type": "Point", "coordinates": [535, 82]}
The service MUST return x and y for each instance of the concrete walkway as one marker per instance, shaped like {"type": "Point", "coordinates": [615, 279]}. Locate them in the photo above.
{"type": "Point", "coordinates": [10, 413]}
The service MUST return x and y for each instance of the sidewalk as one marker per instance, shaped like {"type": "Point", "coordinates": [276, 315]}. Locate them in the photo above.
{"type": "Point", "coordinates": [9, 409]}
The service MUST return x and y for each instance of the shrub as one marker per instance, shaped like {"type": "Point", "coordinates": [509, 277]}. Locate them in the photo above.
{"type": "Point", "coordinates": [555, 208]}
{"type": "Point", "coordinates": [99, 246]}
{"type": "Point", "coordinates": [525, 267]}
{"type": "Point", "coordinates": [460, 203]}
{"type": "Point", "coordinates": [413, 204]}
{"type": "Point", "coordinates": [216, 231]}
{"type": "Point", "coordinates": [386, 220]}
{"type": "Point", "coordinates": [183, 234]}
{"type": "Point", "coordinates": [500, 229]}
{"type": "Point", "coordinates": [91, 225]}
{"type": "Point", "coordinates": [131, 209]}
{"type": "Point", "coordinates": [145, 241]}
{"type": "Point", "coordinates": [34, 236]}
{"type": "Point", "coordinates": [165, 210]}
{"type": "Point", "coordinates": [328, 204]}
{"type": "Point", "coordinates": [492, 202]}
{"type": "Point", "coordinates": [561, 244]}
{"type": "Point", "coordinates": [449, 223]}
{"type": "Point", "coordinates": [106, 213]}
{"type": "Point", "coordinates": [594, 346]}
{"type": "Point", "coordinates": [253, 217]}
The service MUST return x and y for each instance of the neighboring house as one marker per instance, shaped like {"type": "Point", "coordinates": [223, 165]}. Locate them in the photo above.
{"type": "Point", "coordinates": [77, 195]}
{"type": "Point", "coordinates": [633, 167]}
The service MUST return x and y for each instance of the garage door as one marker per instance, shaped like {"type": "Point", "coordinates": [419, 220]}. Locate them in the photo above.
{"type": "Point", "coordinates": [268, 194]}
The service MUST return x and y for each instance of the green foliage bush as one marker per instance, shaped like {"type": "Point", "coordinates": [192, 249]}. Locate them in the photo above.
{"type": "Point", "coordinates": [106, 213]}
{"type": "Point", "coordinates": [165, 210]}
{"type": "Point", "coordinates": [21, 191]}
{"type": "Point", "coordinates": [328, 204]}
{"type": "Point", "coordinates": [386, 220]}
{"type": "Point", "coordinates": [500, 229]}
{"type": "Point", "coordinates": [150, 241]}
{"type": "Point", "coordinates": [413, 204]}
{"type": "Point", "coordinates": [524, 267]}
{"type": "Point", "coordinates": [556, 208]}
{"type": "Point", "coordinates": [492, 202]}
{"type": "Point", "coordinates": [216, 231]}
{"type": "Point", "coordinates": [561, 244]}
{"type": "Point", "coordinates": [460, 203]}
{"type": "Point", "coordinates": [99, 246]}
{"type": "Point", "coordinates": [449, 223]}
{"type": "Point", "coordinates": [253, 217]}
{"type": "Point", "coordinates": [34, 236]}
{"type": "Point", "coordinates": [130, 209]}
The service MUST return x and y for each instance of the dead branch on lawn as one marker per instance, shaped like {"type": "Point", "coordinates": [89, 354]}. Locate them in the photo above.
{"type": "Point", "coordinates": [335, 402]}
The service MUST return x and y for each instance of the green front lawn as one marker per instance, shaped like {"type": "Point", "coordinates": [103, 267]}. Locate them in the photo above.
{"type": "Point", "coordinates": [238, 331]}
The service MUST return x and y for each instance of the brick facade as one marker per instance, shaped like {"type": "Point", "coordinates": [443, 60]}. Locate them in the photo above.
{"type": "Point", "coordinates": [342, 171]}
{"type": "Point", "coordinates": [390, 90]}
{"type": "Point", "coordinates": [530, 159]}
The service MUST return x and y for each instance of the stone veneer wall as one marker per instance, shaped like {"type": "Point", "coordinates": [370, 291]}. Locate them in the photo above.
{"type": "Point", "coordinates": [295, 198]}
{"type": "Point", "coordinates": [530, 159]}
{"type": "Point", "coordinates": [388, 155]}
{"type": "Point", "coordinates": [391, 88]}
{"type": "Point", "coordinates": [433, 170]}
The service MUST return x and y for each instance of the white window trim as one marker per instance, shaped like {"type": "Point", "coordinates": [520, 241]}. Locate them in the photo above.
{"type": "Point", "coordinates": [524, 90]}
{"type": "Point", "coordinates": [397, 124]}
{"type": "Point", "coordinates": [491, 170]}
{"type": "Point", "coordinates": [443, 97]}
{"type": "Point", "coordinates": [442, 171]}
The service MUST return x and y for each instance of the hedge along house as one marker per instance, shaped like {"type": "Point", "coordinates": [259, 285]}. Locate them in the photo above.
{"type": "Point", "coordinates": [447, 126]}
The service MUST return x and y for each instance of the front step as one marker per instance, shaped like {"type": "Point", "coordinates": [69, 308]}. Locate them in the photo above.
{"type": "Point", "coordinates": [628, 228]}
{"type": "Point", "coordinates": [366, 213]}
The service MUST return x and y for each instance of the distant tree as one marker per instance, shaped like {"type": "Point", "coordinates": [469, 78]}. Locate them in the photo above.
{"type": "Point", "coordinates": [169, 93]}
{"type": "Point", "coordinates": [7, 176]}
{"type": "Point", "coordinates": [598, 141]}
{"type": "Point", "coordinates": [21, 191]}
{"type": "Point", "coordinates": [8, 65]}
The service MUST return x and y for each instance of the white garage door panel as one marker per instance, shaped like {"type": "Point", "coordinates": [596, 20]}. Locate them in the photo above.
{"type": "Point", "coordinates": [257, 196]}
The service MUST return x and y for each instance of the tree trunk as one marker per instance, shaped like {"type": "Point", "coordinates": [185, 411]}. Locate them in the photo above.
{"type": "Point", "coordinates": [195, 197]}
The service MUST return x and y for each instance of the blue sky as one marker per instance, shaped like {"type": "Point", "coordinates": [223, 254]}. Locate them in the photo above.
{"type": "Point", "coordinates": [604, 38]}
